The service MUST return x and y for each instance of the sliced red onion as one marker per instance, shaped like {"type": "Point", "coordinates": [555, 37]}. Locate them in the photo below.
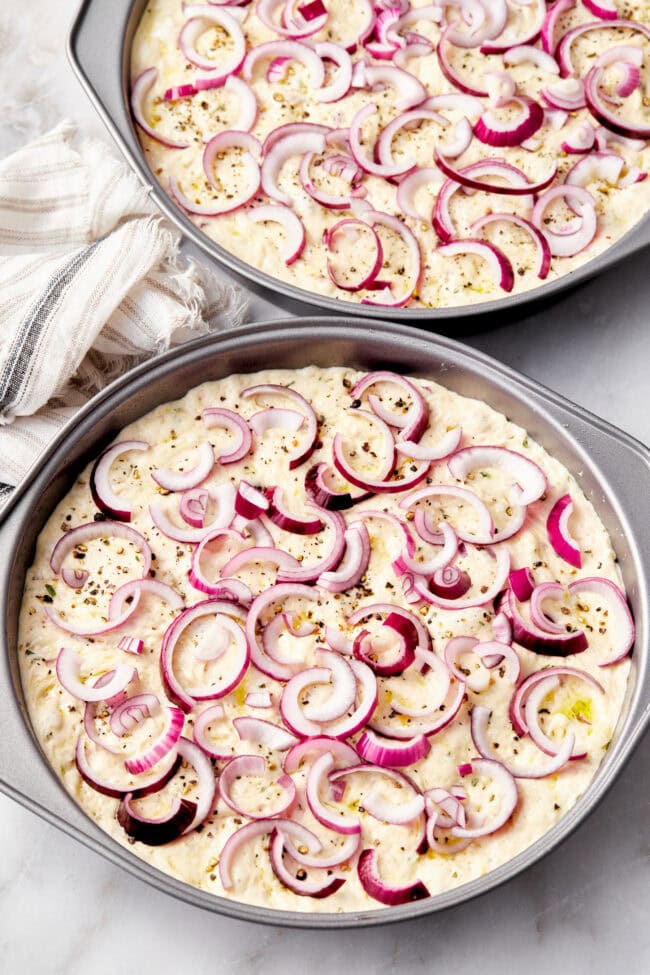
{"type": "Point", "coordinates": [509, 798]}
{"type": "Point", "coordinates": [354, 563]}
{"type": "Point", "coordinates": [108, 788]}
{"type": "Point", "coordinates": [160, 748]}
{"type": "Point", "coordinates": [201, 724]}
{"type": "Point", "coordinates": [184, 480]}
{"type": "Point", "coordinates": [278, 154]}
{"type": "Point", "coordinates": [408, 187]}
{"type": "Point", "coordinates": [494, 132]}
{"type": "Point", "coordinates": [133, 590]}
{"type": "Point", "coordinates": [74, 578]}
{"type": "Point", "coordinates": [354, 225]}
{"type": "Point", "coordinates": [337, 641]}
{"type": "Point", "coordinates": [131, 711]}
{"type": "Point", "coordinates": [620, 620]}
{"type": "Point", "coordinates": [365, 161]}
{"type": "Point", "coordinates": [131, 644]}
{"type": "Point", "coordinates": [292, 710]}
{"type": "Point", "coordinates": [448, 583]}
{"type": "Point", "coordinates": [527, 54]}
{"type": "Point", "coordinates": [479, 727]}
{"type": "Point", "coordinates": [427, 725]}
{"type": "Point", "coordinates": [517, 184]}
{"type": "Point", "coordinates": [391, 611]}
{"type": "Point", "coordinates": [496, 654]}
{"type": "Point", "coordinates": [247, 107]}
{"type": "Point", "coordinates": [340, 85]}
{"type": "Point", "coordinates": [375, 887]}
{"type": "Point", "coordinates": [411, 91]}
{"type": "Point", "coordinates": [400, 814]}
{"type": "Point", "coordinates": [408, 640]}
{"type": "Point", "coordinates": [264, 733]}
{"type": "Point", "coordinates": [559, 535]}
{"type": "Point", "coordinates": [196, 575]}
{"type": "Point", "coordinates": [253, 765]}
{"type": "Point", "coordinates": [603, 114]}
{"type": "Point", "coordinates": [376, 218]}
{"type": "Point", "coordinates": [331, 201]}
{"type": "Point", "coordinates": [90, 531]}
{"type": "Point", "coordinates": [205, 778]}
{"type": "Point", "coordinates": [343, 689]}
{"type": "Point", "coordinates": [392, 754]}
{"type": "Point", "coordinates": [448, 444]}
{"type": "Point", "coordinates": [485, 596]}
{"type": "Point", "coordinates": [537, 734]}
{"type": "Point", "coordinates": [389, 132]}
{"type": "Point", "coordinates": [460, 142]}
{"type": "Point", "coordinates": [301, 454]}
{"type": "Point", "coordinates": [529, 636]}
{"type": "Point", "coordinates": [139, 91]}
{"type": "Point", "coordinates": [539, 240]}
{"type": "Point", "coordinates": [596, 166]}
{"type": "Point", "coordinates": [551, 21]}
{"type": "Point", "coordinates": [100, 488]}
{"type": "Point", "coordinates": [429, 664]}
{"type": "Point", "coordinates": [563, 51]}
{"type": "Point", "coordinates": [275, 418]}
{"type": "Point", "coordinates": [286, 49]}
{"type": "Point", "coordinates": [523, 471]}
{"type": "Point", "coordinates": [414, 422]}
{"type": "Point", "coordinates": [567, 95]}
{"type": "Point", "coordinates": [500, 267]}
{"type": "Point", "coordinates": [90, 713]}
{"type": "Point", "coordinates": [260, 555]}
{"type": "Point", "coordinates": [224, 494]}
{"type": "Point", "coordinates": [325, 495]}
{"type": "Point", "coordinates": [340, 751]}
{"type": "Point", "coordinates": [194, 506]}
{"type": "Point", "coordinates": [202, 18]}
{"type": "Point", "coordinates": [223, 419]}
{"type": "Point", "coordinates": [519, 697]}
{"type": "Point", "coordinates": [441, 559]}
{"type": "Point", "coordinates": [285, 519]}
{"type": "Point", "coordinates": [366, 701]}
{"type": "Point", "coordinates": [502, 628]}
{"type": "Point", "coordinates": [605, 137]}
{"type": "Point", "coordinates": [68, 670]}
{"type": "Point", "coordinates": [262, 827]}
{"type": "Point", "coordinates": [449, 71]}
{"type": "Point", "coordinates": [341, 853]}
{"type": "Point", "coordinates": [484, 534]}
{"type": "Point", "coordinates": [305, 887]}
{"type": "Point", "coordinates": [226, 204]}
{"type": "Point", "coordinates": [408, 480]}
{"type": "Point", "coordinates": [290, 223]}
{"type": "Point", "coordinates": [176, 92]}
{"type": "Point", "coordinates": [318, 782]}
{"type": "Point", "coordinates": [275, 594]}
{"type": "Point", "coordinates": [522, 583]}
{"type": "Point", "coordinates": [208, 607]}
{"type": "Point", "coordinates": [250, 502]}
{"type": "Point", "coordinates": [568, 244]}
{"type": "Point", "coordinates": [308, 573]}
{"type": "Point", "coordinates": [156, 831]}
{"type": "Point", "coordinates": [258, 699]}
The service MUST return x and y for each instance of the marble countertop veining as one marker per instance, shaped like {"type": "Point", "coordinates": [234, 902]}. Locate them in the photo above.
{"type": "Point", "coordinates": [65, 911]}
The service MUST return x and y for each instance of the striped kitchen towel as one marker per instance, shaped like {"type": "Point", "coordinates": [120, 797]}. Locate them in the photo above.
{"type": "Point", "coordinates": [91, 282]}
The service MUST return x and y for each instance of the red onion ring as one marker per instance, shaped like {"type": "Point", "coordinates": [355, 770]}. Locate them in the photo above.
{"type": "Point", "coordinates": [139, 91]}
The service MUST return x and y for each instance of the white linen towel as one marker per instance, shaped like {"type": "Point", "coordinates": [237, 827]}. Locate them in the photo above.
{"type": "Point", "coordinates": [91, 282]}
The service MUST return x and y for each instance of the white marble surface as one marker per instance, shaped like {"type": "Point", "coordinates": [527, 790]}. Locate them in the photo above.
{"type": "Point", "coordinates": [584, 909]}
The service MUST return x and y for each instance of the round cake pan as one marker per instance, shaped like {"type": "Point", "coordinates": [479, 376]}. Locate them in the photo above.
{"type": "Point", "coordinates": [613, 470]}
{"type": "Point", "coordinates": [99, 50]}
